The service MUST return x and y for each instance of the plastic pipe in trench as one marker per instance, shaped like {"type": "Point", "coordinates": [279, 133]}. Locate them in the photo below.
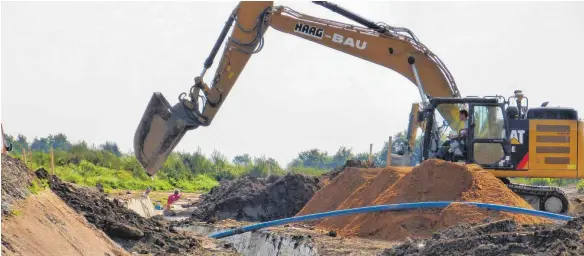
{"type": "Point", "coordinates": [387, 207]}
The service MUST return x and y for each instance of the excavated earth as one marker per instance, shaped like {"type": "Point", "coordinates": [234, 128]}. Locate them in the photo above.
{"type": "Point", "coordinates": [504, 237]}
{"type": "Point", "coordinates": [253, 199]}
{"type": "Point", "coordinates": [71, 220]}
{"type": "Point", "coordinates": [433, 180]}
{"type": "Point", "coordinates": [37, 222]}
{"type": "Point", "coordinates": [133, 232]}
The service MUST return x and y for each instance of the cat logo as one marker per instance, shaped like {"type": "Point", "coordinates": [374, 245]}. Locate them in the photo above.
{"type": "Point", "coordinates": [517, 137]}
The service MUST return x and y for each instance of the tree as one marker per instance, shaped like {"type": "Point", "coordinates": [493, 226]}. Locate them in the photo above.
{"type": "Point", "coordinates": [219, 160]}
{"type": "Point", "coordinates": [111, 147]}
{"type": "Point", "coordinates": [340, 158]}
{"type": "Point", "coordinates": [41, 144]}
{"type": "Point", "coordinates": [244, 159]}
{"type": "Point", "coordinates": [18, 144]}
{"type": "Point", "coordinates": [59, 141]}
{"type": "Point", "coordinates": [312, 158]}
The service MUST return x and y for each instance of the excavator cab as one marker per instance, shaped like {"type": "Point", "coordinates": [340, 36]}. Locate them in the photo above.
{"type": "Point", "coordinates": [161, 128]}
{"type": "Point", "coordinates": [486, 142]}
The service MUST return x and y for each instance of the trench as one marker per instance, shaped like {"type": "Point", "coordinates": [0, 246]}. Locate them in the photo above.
{"type": "Point", "coordinates": [262, 242]}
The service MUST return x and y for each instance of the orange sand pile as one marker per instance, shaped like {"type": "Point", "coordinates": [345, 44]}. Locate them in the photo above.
{"type": "Point", "coordinates": [433, 180]}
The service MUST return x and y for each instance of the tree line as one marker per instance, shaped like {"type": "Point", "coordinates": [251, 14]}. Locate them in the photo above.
{"type": "Point", "coordinates": [186, 165]}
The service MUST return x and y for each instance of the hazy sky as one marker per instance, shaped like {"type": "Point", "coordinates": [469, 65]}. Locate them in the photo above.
{"type": "Point", "coordinates": [88, 69]}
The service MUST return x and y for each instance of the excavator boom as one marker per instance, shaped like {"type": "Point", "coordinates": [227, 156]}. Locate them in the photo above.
{"type": "Point", "coordinates": [163, 126]}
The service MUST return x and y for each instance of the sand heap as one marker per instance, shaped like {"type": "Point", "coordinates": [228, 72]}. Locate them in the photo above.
{"type": "Point", "coordinates": [433, 180]}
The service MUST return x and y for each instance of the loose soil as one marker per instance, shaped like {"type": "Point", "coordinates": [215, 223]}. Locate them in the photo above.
{"type": "Point", "coordinates": [327, 177]}
{"type": "Point", "coordinates": [16, 180]}
{"type": "Point", "coordinates": [133, 232]}
{"type": "Point", "coordinates": [37, 222]}
{"type": "Point", "coordinates": [45, 225]}
{"type": "Point", "coordinates": [253, 199]}
{"type": "Point", "coordinates": [433, 180]}
{"type": "Point", "coordinates": [504, 237]}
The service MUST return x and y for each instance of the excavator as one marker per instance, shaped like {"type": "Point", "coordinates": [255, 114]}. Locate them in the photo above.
{"type": "Point", "coordinates": [503, 135]}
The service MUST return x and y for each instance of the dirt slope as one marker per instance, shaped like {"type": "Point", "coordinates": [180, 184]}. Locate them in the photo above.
{"type": "Point", "coordinates": [433, 180]}
{"type": "Point", "coordinates": [45, 225]}
{"type": "Point", "coordinates": [42, 224]}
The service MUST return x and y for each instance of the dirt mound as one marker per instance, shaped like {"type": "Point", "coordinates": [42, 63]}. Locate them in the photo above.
{"type": "Point", "coordinates": [37, 222]}
{"type": "Point", "coordinates": [252, 199]}
{"type": "Point", "coordinates": [433, 180]}
{"type": "Point", "coordinates": [327, 177]}
{"type": "Point", "coordinates": [133, 232]}
{"type": "Point", "coordinates": [16, 180]}
{"type": "Point", "coordinates": [45, 225]}
{"type": "Point", "coordinates": [503, 237]}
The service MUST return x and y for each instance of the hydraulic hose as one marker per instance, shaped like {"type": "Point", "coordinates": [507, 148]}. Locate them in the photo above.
{"type": "Point", "coordinates": [387, 207]}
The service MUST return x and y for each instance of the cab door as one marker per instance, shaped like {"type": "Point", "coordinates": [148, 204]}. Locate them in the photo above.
{"type": "Point", "coordinates": [488, 138]}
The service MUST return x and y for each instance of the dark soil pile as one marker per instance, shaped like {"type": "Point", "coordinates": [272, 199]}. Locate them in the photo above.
{"type": "Point", "coordinates": [253, 199]}
{"type": "Point", "coordinates": [503, 237]}
{"type": "Point", "coordinates": [16, 180]}
{"type": "Point", "coordinates": [133, 232]}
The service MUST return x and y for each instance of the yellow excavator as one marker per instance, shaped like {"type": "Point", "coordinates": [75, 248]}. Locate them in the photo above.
{"type": "Point", "coordinates": [503, 135]}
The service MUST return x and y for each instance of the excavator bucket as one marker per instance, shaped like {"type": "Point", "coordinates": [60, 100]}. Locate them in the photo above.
{"type": "Point", "coordinates": [159, 131]}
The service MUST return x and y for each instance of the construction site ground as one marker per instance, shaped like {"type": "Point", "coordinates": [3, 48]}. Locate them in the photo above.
{"type": "Point", "coordinates": [43, 215]}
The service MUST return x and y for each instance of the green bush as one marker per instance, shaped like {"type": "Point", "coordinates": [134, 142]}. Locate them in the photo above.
{"type": "Point", "coordinates": [89, 165]}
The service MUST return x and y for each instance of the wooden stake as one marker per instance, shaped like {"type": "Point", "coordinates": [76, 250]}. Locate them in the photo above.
{"type": "Point", "coordinates": [389, 147]}
{"type": "Point", "coordinates": [52, 161]}
{"type": "Point", "coordinates": [30, 159]}
{"type": "Point", "coordinates": [370, 152]}
{"type": "Point", "coordinates": [24, 156]}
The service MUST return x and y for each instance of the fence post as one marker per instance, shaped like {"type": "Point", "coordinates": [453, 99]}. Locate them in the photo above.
{"type": "Point", "coordinates": [370, 152]}
{"type": "Point", "coordinates": [24, 157]}
{"type": "Point", "coordinates": [52, 161]}
{"type": "Point", "coordinates": [389, 147]}
{"type": "Point", "coordinates": [30, 159]}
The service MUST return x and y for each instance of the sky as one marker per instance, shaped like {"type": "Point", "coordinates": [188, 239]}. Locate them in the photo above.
{"type": "Point", "coordinates": [88, 69]}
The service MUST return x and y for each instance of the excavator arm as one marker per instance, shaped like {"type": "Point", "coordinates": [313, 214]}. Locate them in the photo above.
{"type": "Point", "coordinates": [163, 126]}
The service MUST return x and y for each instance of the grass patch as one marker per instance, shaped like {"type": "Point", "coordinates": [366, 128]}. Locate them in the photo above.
{"type": "Point", "coordinates": [88, 174]}
{"type": "Point", "coordinates": [547, 181]}
{"type": "Point", "coordinates": [38, 185]}
{"type": "Point", "coordinates": [308, 171]}
{"type": "Point", "coordinates": [15, 212]}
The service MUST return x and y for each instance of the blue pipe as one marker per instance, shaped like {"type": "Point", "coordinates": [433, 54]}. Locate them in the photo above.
{"type": "Point", "coordinates": [387, 207]}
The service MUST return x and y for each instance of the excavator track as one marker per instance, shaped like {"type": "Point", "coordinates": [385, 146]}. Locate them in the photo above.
{"type": "Point", "coordinates": [543, 198]}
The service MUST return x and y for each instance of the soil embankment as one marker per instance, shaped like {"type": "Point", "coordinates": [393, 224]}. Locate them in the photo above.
{"type": "Point", "coordinates": [252, 199]}
{"type": "Point", "coordinates": [433, 180]}
{"type": "Point", "coordinates": [71, 220]}
{"type": "Point", "coordinates": [132, 231]}
{"type": "Point", "coordinates": [40, 223]}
